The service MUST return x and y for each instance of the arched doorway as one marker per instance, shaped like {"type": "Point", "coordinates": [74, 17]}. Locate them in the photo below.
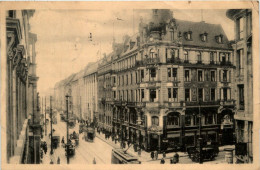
{"type": "Point", "coordinates": [226, 121]}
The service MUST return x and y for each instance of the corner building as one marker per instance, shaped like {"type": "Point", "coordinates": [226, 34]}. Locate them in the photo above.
{"type": "Point", "coordinates": [163, 77]}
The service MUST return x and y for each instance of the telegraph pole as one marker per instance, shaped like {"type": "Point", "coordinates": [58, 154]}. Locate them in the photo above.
{"type": "Point", "coordinates": [51, 123]}
{"type": "Point", "coordinates": [45, 118]}
{"type": "Point", "coordinates": [67, 146]}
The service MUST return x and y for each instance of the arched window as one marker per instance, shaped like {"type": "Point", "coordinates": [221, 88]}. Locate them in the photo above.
{"type": "Point", "coordinates": [152, 53]}
{"type": "Point", "coordinates": [155, 120]}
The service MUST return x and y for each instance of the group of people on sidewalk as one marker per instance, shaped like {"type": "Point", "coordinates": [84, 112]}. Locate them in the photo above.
{"type": "Point", "coordinates": [173, 160]}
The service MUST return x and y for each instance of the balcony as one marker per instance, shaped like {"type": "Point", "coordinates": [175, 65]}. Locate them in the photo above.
{"type": "Point", "coordinates": [173, 60]}
{"type": "Point", "coordinates": [173, 104]}
{"type": "Point", "coordinates": [140, 104]}
{"type": "Point", "coordinates": [225, 63]}
{"type": "Point", "coordinates": [151, 61]}
{"type": "Point", "coordinates": [196, 103]}
{"type": "Point", "coordinates": [152, 104]}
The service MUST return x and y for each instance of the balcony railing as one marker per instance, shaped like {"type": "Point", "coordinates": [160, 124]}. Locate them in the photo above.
{"type": "Point", "coordinates": [151, 60]}
{"type": "Point", "coordinates": [196, 103]}
{"type": "Point", "coordinates": [173, 60]}
{"type": "Point", "coordinates": [225, 63]}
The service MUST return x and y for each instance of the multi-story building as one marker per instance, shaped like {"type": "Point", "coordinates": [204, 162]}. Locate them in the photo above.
{"type": "Point", "coordinates": [169, 77]}
{"type": "Point", "coordinates": [243, 77]}
{"type": "Point", "coordinates": [90, 92]}
{"type": "Point", "coordinates": [22, 126]}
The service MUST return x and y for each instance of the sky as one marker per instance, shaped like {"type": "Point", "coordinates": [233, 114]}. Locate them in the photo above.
{"type": "Point", "coordinates": [63, 45]}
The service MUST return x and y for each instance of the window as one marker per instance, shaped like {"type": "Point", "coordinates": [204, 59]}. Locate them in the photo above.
{"type": "Point", "coordinates": [118, 80]}
{"type": "Point", "coordinates": [136, 78]}
{"type": "Point", "coordinates": [166, 53]}
{"type": "Point", "coordinates": [200, 94]}
{"type": "Point", "coordinates": [240, 27]}
{"type": "Point", "coordinates": [187, 95]}
{"type": "Point", "coordinates": [240, 55]}
{"type": "Point", "coordinates": [200, 75]}
{"type": "Point", "coordinates": [241, 97]}
{"type": "Point", "coordinates": [212, 94]}
{"type": "Point", "coordinates": [173, 119]}
{"type": "Point", "coordinates": [114, 94]}
{"type": "Point", "coordinates": [204, 37]}
{"type": "Point", "coordinates": [169, 94]}
{"type": "Point", "coordinates": [142, 75]}
{"type": "Point", "coordinates": [188, 35]}
{"type": "Point", "coordinates": [175, 94]}
{"type": "Point", "coordinates": [155, 121]}
{"type": "Point", "coordinates": [225, 75]}
{"type": "Point", "coordinates": [169, 72]}
{"type": "Point", "coordinates": [152, 53]}
{"type": "Point", "coordinates": [219, 39]}
{"type": "Point", "coordinates": [186, 57]}
{"type": "Point", "coordinates": [212, 57]}
{"type": "Point", "coordinates": [153, 72]}
{"type": "Point", "coordinates": [142, 93]}
{"type": "Point", "coordinates": [225, 94]}
{"type": "Point", "coordinates": [199, 57]}
{"type": "Point", "coordinates": [131, 80]}
{"type": "Point", "coordinates": [174, 73]}
{"type": "Point", "coordinates": [187, 75]}
{"type": "Point", "coordinates": [172, 35]}
{"type": "Point", "coordinates": [152, 95]}
{"type": "Point", "coordinates": [212, 75]}
{"type": "Point", "coordinates": [126, 79]}
{"type": "Point", "coordinates": [209, 118]}
{"type": "Point", "coordinates": [172, 53]}
{"type": "Point", "coordinates": [122, 80]}
{"type": "Point", "coordinates": [188, 119]}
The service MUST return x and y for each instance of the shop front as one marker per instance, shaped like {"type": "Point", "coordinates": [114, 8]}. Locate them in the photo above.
{"type": "Point", "coordinates": [154, 138]}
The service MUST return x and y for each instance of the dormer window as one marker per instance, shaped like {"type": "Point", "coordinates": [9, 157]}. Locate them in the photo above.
{"type": "Point", "coordinates": [188, 35]}
{"type": "Point", "coordinates": [204, 37]}
{"type": "Point", "coordinates": [219, 38]}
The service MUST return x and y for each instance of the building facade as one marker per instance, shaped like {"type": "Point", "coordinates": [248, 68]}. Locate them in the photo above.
{"type": "Point", "coordinates": [23, 113]}
{"type": "Point", "coordinates": [243, 61]}
{"type": "Point", "coordinates": [169, 77]}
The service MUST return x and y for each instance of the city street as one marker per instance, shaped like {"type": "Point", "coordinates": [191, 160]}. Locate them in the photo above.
{"type": "Point", "coordinates": [85, 151]}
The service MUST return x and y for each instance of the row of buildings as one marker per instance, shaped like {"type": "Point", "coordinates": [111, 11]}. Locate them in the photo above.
{"type": "Point", "coordinates": [157, 87]}
{"type": "Point", "coordinates": [23, 121]}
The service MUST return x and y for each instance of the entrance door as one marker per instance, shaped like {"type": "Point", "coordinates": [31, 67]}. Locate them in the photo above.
{"type": "Point", "coordinates": [154, 143]}
{"type": "Point", "coordinates": [227, 136]}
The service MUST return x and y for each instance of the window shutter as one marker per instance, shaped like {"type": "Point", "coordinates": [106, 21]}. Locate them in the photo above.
{"type": "Point", "coordinates": [229, 79]}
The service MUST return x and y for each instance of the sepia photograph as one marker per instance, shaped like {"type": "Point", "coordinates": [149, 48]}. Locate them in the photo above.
{"type": "Point", "coordinates": [136, 85]}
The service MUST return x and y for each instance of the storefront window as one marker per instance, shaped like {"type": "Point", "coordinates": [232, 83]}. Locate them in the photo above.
{"type": "Point", "coordinates": [173, 119]}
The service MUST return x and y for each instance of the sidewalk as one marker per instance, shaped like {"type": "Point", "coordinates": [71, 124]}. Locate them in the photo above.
{"type": "Point", "coordinates": [145, 156]}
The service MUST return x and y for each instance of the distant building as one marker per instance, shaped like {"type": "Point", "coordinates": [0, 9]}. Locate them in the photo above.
{"type": "Point", "coordinates": [23, 129]}
{"type": "Point", "coordinates": [243, 77]}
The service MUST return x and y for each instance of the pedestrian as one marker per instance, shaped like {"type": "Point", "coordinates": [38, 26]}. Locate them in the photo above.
{"type": "Point", "coordinates": [58, 160]}
{"type": "Point", "coordinates": [94, 161]}
{"type": "Point", "coordinates": [152, 154]}
{"type": "Point", "coordinates": [176, 157]}
{"type": "Point", "coordinates": [162, 161]}
{"type": "Point", "coordinates": [139, 151]}
{"type": "Point", "coordinates": [156, 155]}
{"type": "Point", "coordinates": [41, 153]}
{"type": "Point", "coordinates": [51, 162]}
{"type": "Point", "coordinates": [164, 155]}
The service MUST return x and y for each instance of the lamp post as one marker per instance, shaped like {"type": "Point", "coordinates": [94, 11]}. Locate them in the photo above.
{"type": "Point", "coordinates": [51, 124]}
{"type": "Point", "coordinates": [67, 146]}
{"type": "Point", "coordinates": [45, 118]}
{"type": "Point", "coordinates": [200, 139]}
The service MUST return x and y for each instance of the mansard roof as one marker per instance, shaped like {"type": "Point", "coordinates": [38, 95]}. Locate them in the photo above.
{"type": "Point", "coordinates": [199, 28]}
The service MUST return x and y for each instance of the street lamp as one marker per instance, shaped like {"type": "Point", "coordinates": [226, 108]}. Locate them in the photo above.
{"type": "Point", "coordinates": [67, 146]}
{"type": "Point", "coordinates": [51, 124]}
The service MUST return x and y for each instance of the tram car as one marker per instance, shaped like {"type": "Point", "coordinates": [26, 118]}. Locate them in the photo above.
{"type": "Point", "coordinates": [89, 134]}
